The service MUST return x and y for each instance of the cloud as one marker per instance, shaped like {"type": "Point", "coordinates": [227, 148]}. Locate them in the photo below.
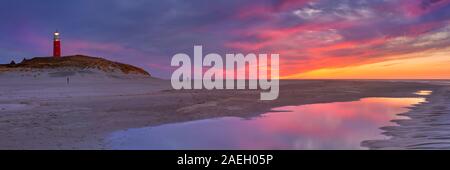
{"type": "Point", "coordinates": [433, 39]}
{"type": "Point", "coordinates": [309, 34]}
{"type": "Point", "coordinates": [307, 13]}
{"type": "Point", "coordinates": [427, 3]}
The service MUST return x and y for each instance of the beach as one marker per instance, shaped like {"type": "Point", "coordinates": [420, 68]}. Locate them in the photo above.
{"type": "Point", "coordinates": [50, 113]}
{"type": "Point", "coordinates": [427, 127]}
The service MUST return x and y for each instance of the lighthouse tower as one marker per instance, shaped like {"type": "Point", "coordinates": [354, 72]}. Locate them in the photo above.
{"type": "Point", "coordinates": [56, 45]}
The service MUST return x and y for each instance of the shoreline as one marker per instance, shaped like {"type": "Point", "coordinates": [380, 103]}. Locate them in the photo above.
{"type": "Point", "coordinates": [426, 128]}
{"type": "Point", "coordinates": [80, 122]}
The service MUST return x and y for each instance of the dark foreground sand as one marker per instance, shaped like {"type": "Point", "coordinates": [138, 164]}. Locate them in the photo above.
{"type": "Point", "coordinates": [54, 115]}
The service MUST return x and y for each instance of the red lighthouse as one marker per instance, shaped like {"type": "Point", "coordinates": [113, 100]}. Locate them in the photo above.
{"type": "Point", "coordinates": [56, 45]}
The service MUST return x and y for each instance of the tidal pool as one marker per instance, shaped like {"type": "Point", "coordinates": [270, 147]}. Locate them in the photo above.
{"type": "Point", "coordinates": [337, 125]}
{"type": "Point", "coordinates": [424, 92]}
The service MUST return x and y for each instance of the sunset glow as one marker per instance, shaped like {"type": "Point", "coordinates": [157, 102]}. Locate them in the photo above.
{"type": "Point", "coordinates": [421, 65]}
{"type": "Point", "coordinates": [380, 39]}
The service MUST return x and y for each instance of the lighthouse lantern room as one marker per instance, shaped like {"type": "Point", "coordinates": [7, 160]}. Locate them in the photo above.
{"type": "Point", "coordinates": [56, 45]}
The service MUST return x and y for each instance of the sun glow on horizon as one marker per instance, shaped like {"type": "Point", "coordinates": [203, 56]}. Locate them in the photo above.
{"type": "Point", "coordinates": [433, 64]}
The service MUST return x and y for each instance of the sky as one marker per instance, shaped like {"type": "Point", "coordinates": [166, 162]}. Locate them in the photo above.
{"type": "Point", "coordinates": [398, 39]}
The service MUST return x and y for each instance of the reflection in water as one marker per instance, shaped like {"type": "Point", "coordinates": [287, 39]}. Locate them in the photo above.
{"type": "Point", "coordinates": [339, 125]}
{"type": "Point", "coordinates": [424, 92]}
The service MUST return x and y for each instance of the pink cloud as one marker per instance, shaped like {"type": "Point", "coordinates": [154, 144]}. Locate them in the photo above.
{"type": "Point", "coordinates": [415, 8]}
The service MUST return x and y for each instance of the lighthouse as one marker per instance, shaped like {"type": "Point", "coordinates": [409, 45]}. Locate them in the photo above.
{"type": "Point", "coordinates": [56, 45]}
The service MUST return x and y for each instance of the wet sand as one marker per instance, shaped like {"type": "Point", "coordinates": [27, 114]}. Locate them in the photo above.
{"type": "Point", "coordinates": [428, 126]}
{"type": "Point", "coordinates": [44, 114]}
